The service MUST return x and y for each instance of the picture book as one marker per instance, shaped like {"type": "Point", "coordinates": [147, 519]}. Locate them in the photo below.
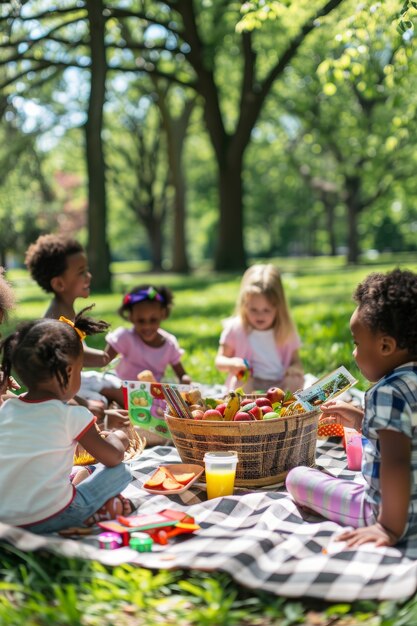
{"type": "Point", "coordinates": [327, 387]}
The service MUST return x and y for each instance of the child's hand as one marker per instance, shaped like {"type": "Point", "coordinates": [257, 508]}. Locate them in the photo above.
{"type": "Point", "coordinates": [375, 533]}
{"type": "Point", "coordinates": [121, 435]}
{"type": "Point", "coordinates": [237, 365]}
{"type": "Point", "coordinates": [293, 379]}
{"type": "Point", "coordinates": [116, 418]}
{"type": "Point", "coordinates": [341, 412]}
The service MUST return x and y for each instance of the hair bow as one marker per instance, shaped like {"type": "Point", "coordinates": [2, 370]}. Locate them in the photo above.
{"type": "Point", "coordinates": [143, 294]}
{"type": "Point", "coordinates": [82, 335]}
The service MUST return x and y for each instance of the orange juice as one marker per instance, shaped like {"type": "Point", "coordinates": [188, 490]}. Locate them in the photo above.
{"type": "Point", "coordinates": [220, 482]}
{"type": "Point", "coordinates": [220, 473]}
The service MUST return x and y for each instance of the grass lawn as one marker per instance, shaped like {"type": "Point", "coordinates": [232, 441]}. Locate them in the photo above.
{"type": "Point", "coordinates": [40, 589]}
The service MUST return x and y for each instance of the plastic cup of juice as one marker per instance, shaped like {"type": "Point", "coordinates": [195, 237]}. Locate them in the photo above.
{"type": "Point", "coordinates": [220, 468]}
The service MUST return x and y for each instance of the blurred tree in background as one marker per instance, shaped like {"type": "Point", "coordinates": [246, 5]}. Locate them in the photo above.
{"type": "Point", "coordinates": [189, 131]}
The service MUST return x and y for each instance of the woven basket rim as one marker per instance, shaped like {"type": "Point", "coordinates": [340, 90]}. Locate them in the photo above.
{"type": "Point", "coordinates": [247, 424]}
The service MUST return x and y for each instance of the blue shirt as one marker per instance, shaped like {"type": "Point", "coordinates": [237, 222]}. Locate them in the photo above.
{"type": "Point", "coordinates": [391, 404]}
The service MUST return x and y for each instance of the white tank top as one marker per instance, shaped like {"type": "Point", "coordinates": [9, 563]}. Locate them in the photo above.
{"type": "Point", "coordinates": [265, 362]}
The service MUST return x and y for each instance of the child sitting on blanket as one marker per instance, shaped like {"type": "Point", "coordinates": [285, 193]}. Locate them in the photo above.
{"type": "Point", "coordinates": [384, 510]}
{"type": "Point", "coordinates": [59, 265]}
{"type": "Point", "coordinates": [6, 304]}
{"type": "Point", "coordinates": [40, 432]}
{"type": "Point", "coordinates": [145, 345]}
{"type": "Point", "coordinates": [260, 343]}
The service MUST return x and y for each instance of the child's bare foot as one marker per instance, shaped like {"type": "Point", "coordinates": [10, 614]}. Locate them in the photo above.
{"type": "Point", "coordinates": [119, 505]}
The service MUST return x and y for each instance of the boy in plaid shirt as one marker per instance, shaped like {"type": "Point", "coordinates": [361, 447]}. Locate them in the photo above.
{"type": "Point", "coordinates": [384, 509]}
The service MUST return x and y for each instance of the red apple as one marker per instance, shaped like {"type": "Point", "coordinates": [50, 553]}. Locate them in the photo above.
{"type": "Point", "coordinates": [212, 414]}
{"type": "Point", "coordinates": [266, 409]}
{"type": "Point", "coordinates": [221, 407]}
{"type": "Point", "coordinates": [263, 402]}
{"type": "Point", "coordinates": [243, 416]}
{"type": "Point", "coordinates": [197, 414]}
{"type": "Point", "coordinates": [246, 401]}
{"type": "Point", "coordinates": [257, 412]}
{"type": "Point", "coordinates": [275, 394]}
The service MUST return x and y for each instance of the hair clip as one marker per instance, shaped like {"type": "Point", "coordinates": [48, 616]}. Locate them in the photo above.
{"type": "Point", "coordinates": [82, 335]}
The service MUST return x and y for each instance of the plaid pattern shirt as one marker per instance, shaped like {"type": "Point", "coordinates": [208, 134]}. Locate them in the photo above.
{"type": "Point", "coordinates": [391, 404]}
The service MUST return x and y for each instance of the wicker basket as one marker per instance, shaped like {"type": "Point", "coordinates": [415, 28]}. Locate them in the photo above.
{"type": "Point", "coordinates": [267, 450]}
{"type": "Point", "coordinates": [137, 445]}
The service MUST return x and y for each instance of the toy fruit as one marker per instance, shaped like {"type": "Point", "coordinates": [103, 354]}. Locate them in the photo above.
{"type": "Point", "coordinates": [212, 414]}
{"type": "Point", "coordinates": [244, 416]}
{"type": "Point", "coordinates": [275, 394]}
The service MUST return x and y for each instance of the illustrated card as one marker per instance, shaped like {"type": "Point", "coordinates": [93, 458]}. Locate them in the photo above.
{"type": "Point", "coordinates": [146, 404]}
{"type": "Point", "coordinates": [327, 387]}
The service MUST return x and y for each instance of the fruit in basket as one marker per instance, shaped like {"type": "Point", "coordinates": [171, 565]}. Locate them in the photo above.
{"type": "Point", "coordinates": [221, 407]}
{"type": "Point", "coordinates": [198, 414]}
{"type": "Point", "coordinates": [256, 411]}
{"type": "Point", "coordinates": [246, 401]}
{"type": "Point", "coordinates": [212, 414]}
{"type": "Point", "coordinates": [248, 407]}
{"type": "Point", "coordinates": [232, 406]}
{"type": "Point", "coordinates": [275, 394]}
{"type": "Point", "coordinates": [266, 409]}
{"type": "Point", "coordinates": [244, 416]}
{"type": "Point", "coordinates": [263, 401]}
{"type": "Point", "coordinates": [271, 415]}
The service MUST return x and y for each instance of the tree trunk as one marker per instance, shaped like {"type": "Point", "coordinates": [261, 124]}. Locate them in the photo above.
{"type": "Point", "coordinates": [230, 251]}
{"type": "Point", "coordinates": [176, 130]}
{"type": "Point", "coordinates": [353, 205]}
{"type": "Point", "coordinates": [154, 230]}
{"type": "Point", "coordinates": [98, 249]}
{"type": "Point", "coordinates": [329, 209]}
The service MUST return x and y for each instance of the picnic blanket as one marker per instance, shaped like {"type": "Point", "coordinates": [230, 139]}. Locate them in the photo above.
{"type": "Point", "coordinates": [259, 537]}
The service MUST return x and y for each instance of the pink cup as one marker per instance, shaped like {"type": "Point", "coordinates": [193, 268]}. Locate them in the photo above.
{"type": "Point", "coordinates": [354, 453]}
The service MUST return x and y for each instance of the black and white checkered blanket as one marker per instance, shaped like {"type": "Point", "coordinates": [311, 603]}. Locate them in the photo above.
{"type": "Point", "coordinates": [260, 538]}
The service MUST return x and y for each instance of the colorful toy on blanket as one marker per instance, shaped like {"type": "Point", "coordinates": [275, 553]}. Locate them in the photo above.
{"type": "Point", "coordinates": [137, 445]}
{"type": "Point", "coordinates": [161, 527]}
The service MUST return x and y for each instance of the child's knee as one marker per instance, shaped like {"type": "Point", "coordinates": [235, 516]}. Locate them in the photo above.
{"type": "Point", "coordinates": [294, 477]}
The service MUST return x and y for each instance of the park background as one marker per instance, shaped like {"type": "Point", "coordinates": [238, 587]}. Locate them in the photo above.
{"type": "Point", "coordinates": [181, 141]}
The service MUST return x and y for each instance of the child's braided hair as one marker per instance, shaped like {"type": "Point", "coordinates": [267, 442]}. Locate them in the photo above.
{"type": "Point", "coordinates": [41, 349]}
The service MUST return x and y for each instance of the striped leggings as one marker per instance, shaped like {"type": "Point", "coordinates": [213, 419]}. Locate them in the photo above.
{"type": "Point", "coordinates": [338, 500]}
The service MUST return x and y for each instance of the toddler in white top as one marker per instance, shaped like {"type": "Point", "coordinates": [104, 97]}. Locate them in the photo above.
{"type": "Point", "coordinates": [40, 432]}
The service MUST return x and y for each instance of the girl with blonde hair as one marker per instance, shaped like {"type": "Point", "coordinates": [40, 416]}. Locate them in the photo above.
{"type": "Point", "coordinates": [259, 344]}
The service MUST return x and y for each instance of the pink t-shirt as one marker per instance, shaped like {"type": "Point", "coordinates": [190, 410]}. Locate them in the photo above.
{"type": "Point", "coordinates": [137, 355]}
{"type": "Point", "coordinates": [236, 338]}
